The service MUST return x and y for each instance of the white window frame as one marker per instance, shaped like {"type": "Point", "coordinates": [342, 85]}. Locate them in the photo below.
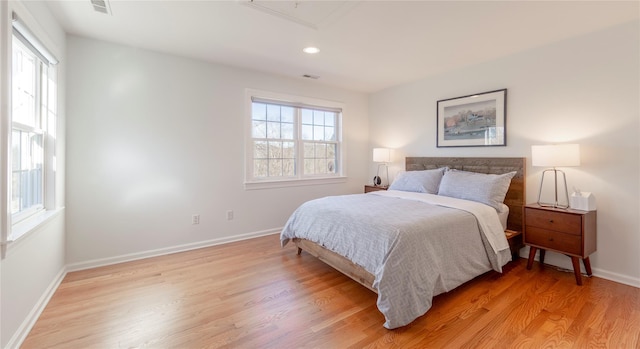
{"type": "Point", "coordinates": [39, 128]}
{"type": "Point", "coordinates": [18, 225]}
{"type": "Point", "coordinates": [299, 179]}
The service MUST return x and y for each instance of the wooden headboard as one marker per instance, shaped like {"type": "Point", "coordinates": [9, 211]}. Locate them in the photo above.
{"type": "Point", "coordinates": [515, 198]}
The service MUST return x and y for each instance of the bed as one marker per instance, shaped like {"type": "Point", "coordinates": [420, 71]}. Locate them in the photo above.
{"type": "Point", "coordinates": [409, 247]}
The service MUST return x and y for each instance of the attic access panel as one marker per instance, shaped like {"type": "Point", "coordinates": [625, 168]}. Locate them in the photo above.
{"type": "Point", "coordinates": [312, 14]}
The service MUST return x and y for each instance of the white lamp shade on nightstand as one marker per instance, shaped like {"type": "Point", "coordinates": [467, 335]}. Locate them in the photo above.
{"type": "Point", "coordinates": [555, 155]}
{"type": "Point", "coordinates": [381, 155]}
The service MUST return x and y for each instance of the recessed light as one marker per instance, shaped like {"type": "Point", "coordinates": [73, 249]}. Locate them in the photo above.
{"type": "Point", "coordinates": [311, 50]}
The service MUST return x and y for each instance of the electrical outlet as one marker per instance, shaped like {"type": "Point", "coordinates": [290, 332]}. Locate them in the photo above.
{"type": "Point", "coordinates": [229, 215]}
{"type": "Point", "coordinates": [195, 219]}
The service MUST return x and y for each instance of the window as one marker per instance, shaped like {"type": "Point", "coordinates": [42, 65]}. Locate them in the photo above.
{"type": "Point", "coordinates": [33, 112]}
{"type": "Point", "coordinates": [293, 139]}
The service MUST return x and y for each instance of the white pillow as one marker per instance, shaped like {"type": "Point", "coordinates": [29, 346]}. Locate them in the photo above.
{"type": "Point", "coordinates": [426, 181]}
{"type": "Point", "coordinates": [489, 189]}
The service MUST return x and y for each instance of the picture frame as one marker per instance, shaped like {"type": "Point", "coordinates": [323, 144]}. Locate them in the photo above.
{"type": "Point", "coordinates": [477, 120]}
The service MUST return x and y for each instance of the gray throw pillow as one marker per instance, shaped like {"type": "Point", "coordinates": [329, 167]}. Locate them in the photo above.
{"type": "Point", "coordinates": [489, 189]}
{"type": "Point", "coordinates": [426, 181]}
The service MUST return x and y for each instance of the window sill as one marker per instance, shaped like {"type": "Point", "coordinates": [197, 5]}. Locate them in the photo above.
{"type": "Point", "coordinates": [293, 183]}
{"type": "Point", "coordinates": [31, 224]}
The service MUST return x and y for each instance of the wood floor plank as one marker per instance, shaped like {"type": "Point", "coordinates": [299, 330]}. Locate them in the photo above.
{"type": "Point", "coordinates": [254, 294]}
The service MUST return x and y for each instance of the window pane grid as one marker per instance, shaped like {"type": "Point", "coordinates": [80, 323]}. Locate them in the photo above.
{"type": "Point", "coordinates": [33, 101]}
{"type": "Point", "coordinates": [276, 144]}
{"type": "Point", "coordinates": [318, 125]}
{"type": "Point", "coordinates": [320, 158]}
{"type": "Point", "coordinates": [273, 159]}
{"type": "Point", "coordinates": [27, 166]}
{"type": "Point", "coordinates": [24, 86]}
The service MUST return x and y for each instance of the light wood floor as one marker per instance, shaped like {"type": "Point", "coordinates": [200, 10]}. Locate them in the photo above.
{"type": "Point", "coordinates": [253, 294]}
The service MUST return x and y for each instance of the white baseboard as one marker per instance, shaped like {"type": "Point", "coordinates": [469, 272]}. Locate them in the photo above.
{"type": "Point", "coordinates": [21, 334]}
{"type": "Point", "coordinates": [619, 278]}
{"type": "Point", "coordinates": [168, 250]}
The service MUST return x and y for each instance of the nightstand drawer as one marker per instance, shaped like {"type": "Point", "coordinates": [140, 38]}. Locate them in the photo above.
{"type": "Point", "coordinates": [556, 221]}
{"type": "Point", "coordinates": [565, 243]}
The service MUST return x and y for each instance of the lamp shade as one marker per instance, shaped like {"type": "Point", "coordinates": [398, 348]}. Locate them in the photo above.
{"type": "Point", "coordinates": [381, 155]}
{"type": "Point", "coordinates": [555, 155]}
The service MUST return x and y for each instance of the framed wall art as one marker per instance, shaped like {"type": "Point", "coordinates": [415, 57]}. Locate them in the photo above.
{"type": "Point", "coordinates": [477, 120]}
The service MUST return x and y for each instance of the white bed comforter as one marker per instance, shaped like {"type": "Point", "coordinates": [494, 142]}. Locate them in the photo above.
{"type": "Point", "coordinates": [416, 245]}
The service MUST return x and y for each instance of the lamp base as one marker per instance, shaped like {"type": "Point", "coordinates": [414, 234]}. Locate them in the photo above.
{"type": "Point", "coordinates": [555, 204]}
{"type": "Point", "coordinates": [377, 180]}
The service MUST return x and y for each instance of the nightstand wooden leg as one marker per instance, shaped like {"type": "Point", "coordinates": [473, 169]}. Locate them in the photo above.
{"type": "Point", "coordinates": [587, 265]}
{"type": "Point", "coordinates": [299, 251]}
{"type": "Point", "coordinates": [542, 254]}
{"type": "Point", "coordinates": [532, 255]}
{"type": "Point", "coordinates": [576, 270]}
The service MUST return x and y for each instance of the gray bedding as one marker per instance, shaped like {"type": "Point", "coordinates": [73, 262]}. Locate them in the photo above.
{"type": "Point", "coordinates": [414, 249]}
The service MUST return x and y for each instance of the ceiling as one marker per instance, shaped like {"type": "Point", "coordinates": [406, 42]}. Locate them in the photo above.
{"type": "Point", "coordinates": [364, 46]}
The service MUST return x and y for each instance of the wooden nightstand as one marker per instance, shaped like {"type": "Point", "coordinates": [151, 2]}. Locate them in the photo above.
{"type": "Point", "coordinates": [568, 231]}
{"type": "Point", "coordinates": [514, 238]}
{"type": "Point", "coordinates": [368, 188]}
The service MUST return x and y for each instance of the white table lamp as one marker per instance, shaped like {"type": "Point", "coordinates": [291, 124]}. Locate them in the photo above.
{"type": "Point", "coordinates": [556, 155]}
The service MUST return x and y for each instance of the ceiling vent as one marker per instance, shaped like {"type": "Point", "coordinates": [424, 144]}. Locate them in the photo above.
{"type": "Point", "coordinates": [101, 6]}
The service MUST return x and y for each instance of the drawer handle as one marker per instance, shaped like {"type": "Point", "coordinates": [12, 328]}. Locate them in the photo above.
{"type": "Point", "coordinates": [551, 221]}
{"type": "Point", "coordinates": [550, 239]}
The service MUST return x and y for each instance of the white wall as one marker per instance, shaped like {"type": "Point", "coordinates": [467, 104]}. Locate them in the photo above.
{"type": "Point", "coordinates": [584, 90]}
{"type": "Point", "coordinates": [34, 264]}
{"type": "Point", "coordinates": [154, 138]}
